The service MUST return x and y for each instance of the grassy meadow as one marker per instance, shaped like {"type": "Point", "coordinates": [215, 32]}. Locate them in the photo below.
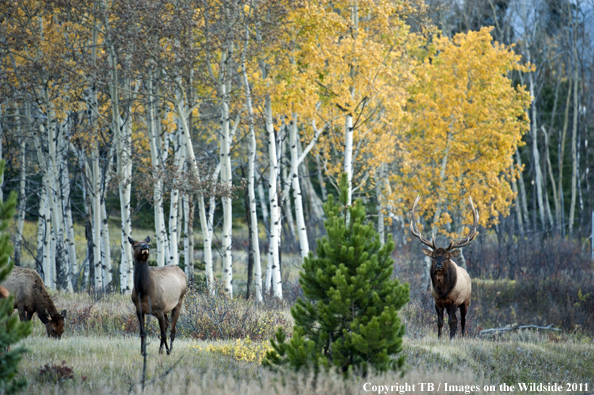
{"type": "Point", "coordinates": [221, 342]}
{"type": "Point", "coordinates": [100, 354]}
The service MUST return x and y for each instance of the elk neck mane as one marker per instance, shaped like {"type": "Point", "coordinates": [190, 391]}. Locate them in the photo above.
{"type": "Point", "coordinates": [445, 281]}
{"type": "Point", "coordinates": [142, 278]}
{"type": "Point", "coordinates": [43, 301]}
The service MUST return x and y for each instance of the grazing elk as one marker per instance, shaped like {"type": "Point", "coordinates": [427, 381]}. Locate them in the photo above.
{"type": "Point", "coordinates": [450, 284]}
{"type": "Point", "coordinates": [30, 296]}
{"type": "Point", "coordinates": [157, 291]}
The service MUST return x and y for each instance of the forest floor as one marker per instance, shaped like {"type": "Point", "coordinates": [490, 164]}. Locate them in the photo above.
{"type": "Point", "coordinates": [99, 356]}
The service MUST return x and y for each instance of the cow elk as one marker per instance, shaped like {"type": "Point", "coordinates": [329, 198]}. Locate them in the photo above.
{"type": "Point", "coordinates": [157, 291]}
{"type": "Point", "coordinates": [450, 284]}
{"type": "Point", "coordinates": [30, 297]}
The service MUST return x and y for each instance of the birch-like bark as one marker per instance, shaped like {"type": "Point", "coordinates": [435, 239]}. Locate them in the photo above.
{"type": "Point", "coordinates": [523, 196]}
{"type": "Point", "coordinates": [225, 152]}
{"type": "Point", "coordinates": [536, 154]}
{"type": "Point", "coordinates": [574, 158]}
{"type": "Point", "coordinates": [72, 267]}
{"type": "Point", "coordinates": [517, 207]}
{"type": "Point", "coordinates": [380, 201]}
{"type": "Point", "coordinates": [274, 208]}
{"type": "Point", "coordinates": [263, 205]}
{"type": "Point", "coordinates": [105, 247]}
{"type": "Point", "coordinates": [348, 156]}
{"type": "Point", "coordinates": [96, 202]}
{"type": "Point", "coordinates": [54, 164]}
{"type": "Point", "coordinates": [206, 238]}
{"type": "Point", "coordinates": [253, 214]}
{"type": "Point", "coordinates": [179, 159]}
{"type": "Point", "coordinates": [155, 144]}
{"type": "Point", "coordinates": [123, 137]}
{"type": "Point", "coordinates": [22, 203]}
{"type": "Point", "coordinates": [301, 229]}
{"type": "Point", "coordinates": [44, 221]}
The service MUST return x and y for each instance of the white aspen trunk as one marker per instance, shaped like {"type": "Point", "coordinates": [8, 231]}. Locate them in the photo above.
{"type": "Point", "coordinates": [227, 208]}
{"type": "Point", "coordinates": [52, 251]}
{"type": "Point", "coordinates": [179, 159]}
{"type": "Point", "coordinates": [286, 201]}
{"type": "Point", "coordinates": [56, 198]}
{"type": "Point", "coordinates": [268, 278]}
{"type": "Point", "coordinates": [124, 170]}
{"type": "Point", "coordinates": [152, 121]}
{"type": "Point", "coordinates": [96, 199]}
{"type": "Point", "coordinates": [251, 180]}
{"type": "Point", "coordinates": [22, 204]}
{"type": "Point", "coordinates": [263, 204]}
{"type": "Point", "coordinates": [380, 203]}
{"type": "Point", "coordinates": [47, 239]}
{"type": "Point", "coordinates": [536, 156]}
{"type": "Point", "coordinates": [105, 248]}
{"type": "Point", "coordinates": [206, 239]}
{"type": "Point", "coordinates": [517, 205]}
{"type": "Point", "coordinates": [348, 156]}
{"type": "Point", "coordinates": [67, 207]}
{"type": "Point", "coordinates": [274, 208]}
{"type": "Point", "coordinates": [189, 267]}
{"type": "Point", "coordinates": [41, 232]}
{"type": "Point", "coordinates": [523, 197]}
{"type": "Point", "coordinates": [321, 177]}
{"type": "Point", "coordinates": [301, 229]}
{"type": "Point", "coordinates": [45, 221]}
{"type": "Point", "coordinates": [574, 158]}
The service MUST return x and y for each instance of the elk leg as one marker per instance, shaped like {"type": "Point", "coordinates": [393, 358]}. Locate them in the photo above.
{"type": "Point", "coordinates": [439, 320]}
{"type": "Point", "coordinates": [462, 317]}
{"type": "Point", "coordinates": [174, 316]}
{"type": "Point", "coordinates": [22, 313]}
{"type": "Point", "coordinates": [453, 321]}
{"type": "Point", "coordinates": [141, 318]}
{"type": "Point", "coordinates": [163, 325]}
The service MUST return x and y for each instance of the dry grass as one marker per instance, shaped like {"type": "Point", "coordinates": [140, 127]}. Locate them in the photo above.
{"type": "Point", "coordinates": [108, 361]}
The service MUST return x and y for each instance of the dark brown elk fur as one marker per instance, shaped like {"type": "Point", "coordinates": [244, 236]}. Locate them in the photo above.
{"type": "Point", "coordinates": [157, 291]}
{"type": "Point", "coordinates": [450, 284]}
{"type": "Point", "coordinates": [30, 296]}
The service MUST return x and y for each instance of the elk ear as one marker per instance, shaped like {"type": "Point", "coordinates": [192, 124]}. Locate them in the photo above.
{"type": "Point", "coordinates": [131, 240]}
{"type": "Point", "coordinates": [454, 253]}
{"type": "Point", "coordinates": [63, 314]}
{"type": "Point", "coordinates": [49, 316]}
{"type": "Point", "coordinates": [429, 253]}
{"type": "Point", "coordinates": [147, 240]}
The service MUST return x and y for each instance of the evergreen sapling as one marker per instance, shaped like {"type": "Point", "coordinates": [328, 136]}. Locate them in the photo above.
{"type": "Point", "coordinates": [11, 329]}
{"type": "Point", "coordinates": [348, 318]}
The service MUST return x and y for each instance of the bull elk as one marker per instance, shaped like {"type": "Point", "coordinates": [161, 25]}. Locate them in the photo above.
{"type": "Point", "coordinates": [450, 284]}
{"type": "Point", "coordinates": [30, 297]}
{"type": "Point", "coordinates": [157, 291]}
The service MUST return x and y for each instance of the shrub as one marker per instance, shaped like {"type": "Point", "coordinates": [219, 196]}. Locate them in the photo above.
{"type": "Point", "coordinates": [11, 329]}
{"type": "Point", "coordinates": [214, 317]}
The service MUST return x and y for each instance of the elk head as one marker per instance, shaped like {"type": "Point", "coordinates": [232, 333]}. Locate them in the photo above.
{"type": "Point", "coordinates": [55, 324]}
{"type": "Point", "coordinates": [441, 256]}
{"type": "Point", "coordinates": [141, 248]}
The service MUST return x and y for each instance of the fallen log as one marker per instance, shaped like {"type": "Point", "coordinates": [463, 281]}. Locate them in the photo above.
{"type": "Point", "coordinates": [515, 327]}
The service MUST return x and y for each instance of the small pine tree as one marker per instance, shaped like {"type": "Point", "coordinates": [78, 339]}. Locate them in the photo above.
{"type": "Point", "coordinates": [348, 317]}
{"type": "Point", "coordinates": [11, 329]}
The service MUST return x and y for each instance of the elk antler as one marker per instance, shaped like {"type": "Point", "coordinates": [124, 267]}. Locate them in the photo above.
{"type": "Point", "coordinates": [415, 231]}
{"type": "Point", "coordinates": [471, 234]}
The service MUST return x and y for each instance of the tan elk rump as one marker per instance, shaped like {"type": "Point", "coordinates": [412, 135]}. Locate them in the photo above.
{"type": "Point", "coordinates": [30, 297]}
{"type": "Point", "coordinates": [450, 284]}
{"type": "Point", "coordinates": [157, 291]}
